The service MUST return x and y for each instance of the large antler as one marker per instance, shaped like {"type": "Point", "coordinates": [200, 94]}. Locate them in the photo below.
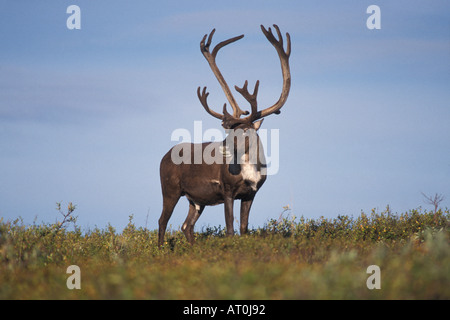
{"type": "Point", "coordinates": [230, 120]}
{"type": "Point", "coordinates": [211, 58]}
{"type": "Point", "coordinates": [284, 60]}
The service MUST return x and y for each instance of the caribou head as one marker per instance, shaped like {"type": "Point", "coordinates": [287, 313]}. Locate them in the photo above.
{"type": "Point", "coordinates": [235, 167]}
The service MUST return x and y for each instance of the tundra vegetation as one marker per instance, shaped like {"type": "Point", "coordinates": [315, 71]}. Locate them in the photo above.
{"type": "Point", "coordinates": [287, 258]}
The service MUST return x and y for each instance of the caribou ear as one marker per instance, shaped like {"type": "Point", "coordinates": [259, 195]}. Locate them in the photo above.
{"type": "Point", "coordinates": [257, 124]}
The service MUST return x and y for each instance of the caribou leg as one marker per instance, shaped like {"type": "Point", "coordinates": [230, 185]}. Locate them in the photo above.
{"type": "Point", "coordinates": [245, 211]}
{"type": "Point", "coordinates": [195, 211]}
{"type": "Point", "coordinates": [229, 201]}
{"type": "Point", "coordinates": [169, 203]}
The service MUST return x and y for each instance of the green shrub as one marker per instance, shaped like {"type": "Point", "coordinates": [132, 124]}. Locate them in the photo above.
{"type": "Point", "coordinates": [288, 258]}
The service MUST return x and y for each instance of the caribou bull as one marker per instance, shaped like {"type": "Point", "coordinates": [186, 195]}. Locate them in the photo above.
{"type": "Point", "coordinates": [235, 167]}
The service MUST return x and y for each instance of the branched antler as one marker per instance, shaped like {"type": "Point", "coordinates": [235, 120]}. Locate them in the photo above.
{"type": "Point", "coordinates": [229, 120]}
{"type": "Point", "coordinates": [211, 58]}
{"type": "Point", "coordinates": [251, 98]}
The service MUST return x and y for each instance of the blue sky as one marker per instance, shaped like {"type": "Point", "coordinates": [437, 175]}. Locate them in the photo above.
{"type": "Point", "coordinates": [86, 115]}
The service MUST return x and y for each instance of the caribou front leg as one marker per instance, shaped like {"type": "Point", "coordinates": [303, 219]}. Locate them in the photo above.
{"type": "Point", "coordinates": [229, 201]}
{"type": "Point", "coordinates": [245, 211]}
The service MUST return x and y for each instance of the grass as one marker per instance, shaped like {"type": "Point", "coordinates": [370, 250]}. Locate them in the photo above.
{"type": "Point", "coordinates": [288, 258]}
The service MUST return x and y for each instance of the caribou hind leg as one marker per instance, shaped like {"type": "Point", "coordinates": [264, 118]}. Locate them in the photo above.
{"type": "Point", "coordinates": [169, 202]}
{"type": "Point", "coordinates": [195, 211]}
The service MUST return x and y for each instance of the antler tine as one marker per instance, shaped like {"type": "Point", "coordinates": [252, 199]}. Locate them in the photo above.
{"type": "Point", "coordinates": [251, 98]}
{"type": "Point", "coordinates": [280, 37]}
{"type": "Point", "coordinates": [205, 47]}
{"type": "Point", "coordinates": [203, 99]}
{"type": "Point", "coordinates": [210, 37]}
{"type": "Point", "coordinates": [288, 45]}
{"type": "Point", "coordinates": [211, 58]}
{"type": "Point", "coordinates": [222, 44]}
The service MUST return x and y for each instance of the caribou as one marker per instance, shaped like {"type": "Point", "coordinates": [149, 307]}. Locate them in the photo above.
{"type": "Point", "coordinates": [238, 168]}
